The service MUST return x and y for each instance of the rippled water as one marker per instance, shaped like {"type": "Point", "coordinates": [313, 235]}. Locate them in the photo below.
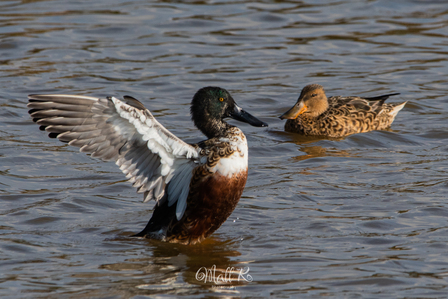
{"type": "Point", "coordinates": [364, 216]}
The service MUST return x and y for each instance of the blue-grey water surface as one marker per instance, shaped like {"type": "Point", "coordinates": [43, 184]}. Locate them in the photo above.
{"type": "Point", "coordinates": [359, 217]}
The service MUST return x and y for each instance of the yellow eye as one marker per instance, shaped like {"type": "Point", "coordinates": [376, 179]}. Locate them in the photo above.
{"type": "Point", "coordinates": [221, 99]}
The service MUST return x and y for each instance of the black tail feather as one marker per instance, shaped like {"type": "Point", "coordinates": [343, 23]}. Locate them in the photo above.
{"type": "Point", "coordinates": [382, 97]}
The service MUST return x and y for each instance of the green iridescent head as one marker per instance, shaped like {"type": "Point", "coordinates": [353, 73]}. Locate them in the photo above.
{"type": "Point", "coordinates": [209, 107]}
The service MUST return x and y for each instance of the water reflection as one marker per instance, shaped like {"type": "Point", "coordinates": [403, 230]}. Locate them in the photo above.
{"type": "Point", "coordinates": [318, 151]}
{"type": "Point", "coordinates": [170, 268]}
{"type": "Point", "coordinates": [319, 217]}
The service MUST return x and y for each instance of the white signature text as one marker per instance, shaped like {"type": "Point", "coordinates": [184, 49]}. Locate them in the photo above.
{"type": "Point", "coordinates": [219, 276]}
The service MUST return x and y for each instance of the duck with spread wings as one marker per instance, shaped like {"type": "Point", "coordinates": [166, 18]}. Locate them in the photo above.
{"type": "Point", "coordinates": [196, 186]}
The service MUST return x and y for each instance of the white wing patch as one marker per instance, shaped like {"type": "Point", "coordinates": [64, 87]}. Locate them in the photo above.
{"type": "Point", "coordinates": [177, 159]}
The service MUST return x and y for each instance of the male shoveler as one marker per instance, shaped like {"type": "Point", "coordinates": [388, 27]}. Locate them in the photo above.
{"type": "Point", "coordinates": [315, 114]}
{"type": "Point", "coordinates": [196, 187]}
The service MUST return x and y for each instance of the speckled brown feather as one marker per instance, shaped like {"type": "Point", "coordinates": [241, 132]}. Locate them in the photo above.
{"type": "Point", "coordinates": [345, 116]}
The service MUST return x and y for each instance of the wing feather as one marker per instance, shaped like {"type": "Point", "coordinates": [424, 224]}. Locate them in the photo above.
{"type": "Point", "coordinates": [177, 190]}
{"type": "Point", "coordinates": [152, 158]}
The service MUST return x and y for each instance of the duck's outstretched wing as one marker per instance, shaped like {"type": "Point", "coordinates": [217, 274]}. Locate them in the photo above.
{"type": "Point", "coordinates": [149, 155]}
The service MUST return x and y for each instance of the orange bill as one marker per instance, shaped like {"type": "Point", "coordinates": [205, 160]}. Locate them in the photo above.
{"type": "Point", "coordinates": [295, 111]}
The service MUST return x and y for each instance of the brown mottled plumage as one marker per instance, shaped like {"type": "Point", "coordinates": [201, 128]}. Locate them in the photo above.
{"type": "Point", "coordinates": [315, 114]}
{"type": "Point", "coordinates": [196, 186]}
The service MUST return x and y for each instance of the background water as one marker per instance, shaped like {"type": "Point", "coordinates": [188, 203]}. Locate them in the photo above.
{"type": "Point", "coordinates": [361, 217]}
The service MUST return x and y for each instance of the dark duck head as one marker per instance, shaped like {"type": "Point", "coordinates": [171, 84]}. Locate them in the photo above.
{"type": "Point", "coordinates": [211, 105]}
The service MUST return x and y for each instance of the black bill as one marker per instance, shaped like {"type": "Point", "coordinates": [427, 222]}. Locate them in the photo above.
{"type": "Point", "coordinates": [241, 115]}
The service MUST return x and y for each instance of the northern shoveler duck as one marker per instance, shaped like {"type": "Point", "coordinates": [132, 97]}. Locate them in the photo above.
{"type": "Point", "coordinates": [315, 114]}
{"type": "Point", "coordinates": [196, 186]}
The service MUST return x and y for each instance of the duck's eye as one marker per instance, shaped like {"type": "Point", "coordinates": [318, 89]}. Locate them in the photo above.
{"type": "Point", "coordinates": [221, 99]}
{"type": "Point", "coordinates": [314, 95]}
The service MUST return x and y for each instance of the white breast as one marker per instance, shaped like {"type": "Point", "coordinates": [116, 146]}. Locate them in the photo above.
{"type": "Point", "coordinates": [238, 161]}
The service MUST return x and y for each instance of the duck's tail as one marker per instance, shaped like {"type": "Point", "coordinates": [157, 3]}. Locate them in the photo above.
{"type": "Point", "coordinates": [393, 112]}
{"type": "Point", "coordinates": [382, 97]}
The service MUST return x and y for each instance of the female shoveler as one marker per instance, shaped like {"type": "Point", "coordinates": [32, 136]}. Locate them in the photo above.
{"type": "Point", "coordinates": [315, 114]}
{"type": "Point", "coordinates": [196, 187]}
